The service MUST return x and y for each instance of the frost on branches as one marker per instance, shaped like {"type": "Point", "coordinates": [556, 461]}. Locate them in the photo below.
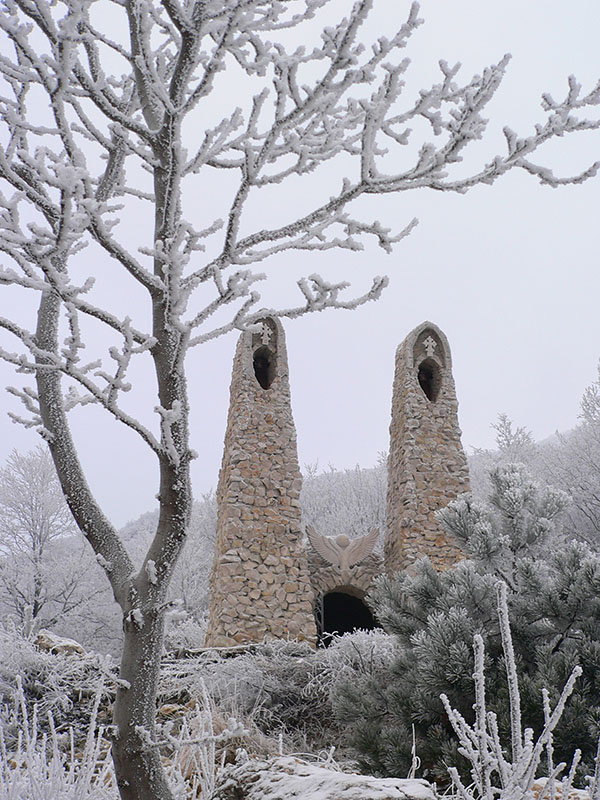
{"type": "Point", "coordinates": [144, 139]}
{"type": "Point", "coordinates": [497, 771]}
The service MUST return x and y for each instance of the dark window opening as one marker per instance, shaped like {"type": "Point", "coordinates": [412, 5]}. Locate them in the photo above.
{"type": "Point", "coordinates": [264, 366]}
{"type": "Point", "coordinates": [339, 613]}
{"type": "Point", "coordinates": [430, 379]}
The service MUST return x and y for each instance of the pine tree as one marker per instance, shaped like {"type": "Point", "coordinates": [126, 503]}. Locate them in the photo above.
{"type": "Point", "coordinates": [553, 594]}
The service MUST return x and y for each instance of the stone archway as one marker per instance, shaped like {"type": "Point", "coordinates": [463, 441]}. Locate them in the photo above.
{"type": "Point", "coordinates": [340, 611]}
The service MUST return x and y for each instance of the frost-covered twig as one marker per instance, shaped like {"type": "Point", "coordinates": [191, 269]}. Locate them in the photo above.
{"type": "Point", "coordinates": [195, 746]}
{"type": "Point", "coordinates": [595, 782]}
{"type": "Point", "coordinates": [514, 698]}
{"type": "Point", "coordinates": [493, 774]}
{"type": "Point", "coordinates": [41, 765]}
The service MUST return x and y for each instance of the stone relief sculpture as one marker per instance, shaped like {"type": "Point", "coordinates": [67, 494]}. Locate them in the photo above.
{"type": "Point", "coordinates": [342, 552]}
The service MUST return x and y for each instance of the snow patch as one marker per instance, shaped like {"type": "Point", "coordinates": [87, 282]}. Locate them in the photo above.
{"type": "Point", "coordinates": [286, 776]}
{"type": "Point", "coordinates": [151, 571]}
{"type": "Point", "coordinates": [107, 565]}
{"type": "Point", "coordinates": [137, 617]}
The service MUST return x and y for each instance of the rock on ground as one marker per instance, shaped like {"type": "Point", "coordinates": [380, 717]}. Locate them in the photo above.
{"type": "Point", "coordinates": [539, 791]}
{"type": "Point", "coordinates": [52, 643]}
{"type": "Point", "coordinates": [285, 777]}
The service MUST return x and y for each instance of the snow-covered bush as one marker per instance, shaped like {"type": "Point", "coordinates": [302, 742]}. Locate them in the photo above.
{"type": "Point", "coordinates": [281, 687]}
{"type": "Point", "coordinates": [554, 601]}
{"type": "Point", "coordinates": [265, 684]}
{"type": "Point", "coordinates": [187, 633]}
{"type": "Point", "coordinates": [514, 444]}
{"type": "Point", "coordinates": [570, 461]}
{"type": "Point", "coordinates": [501, 771]}
{"type": "Point", "coordinates": [62, 685]}
{"type": "Point", "coordinates": [353, 657]}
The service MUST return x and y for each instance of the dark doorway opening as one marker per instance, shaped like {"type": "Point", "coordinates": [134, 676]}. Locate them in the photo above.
{"type": "Point", "coordinates": [264, 366]}
{"type": "Point", "coordinates": [430, 379]}
{"type": "Point", "coordinates": [341, 613]}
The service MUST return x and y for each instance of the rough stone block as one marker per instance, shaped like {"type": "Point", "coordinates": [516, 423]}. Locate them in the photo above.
{"type": "Point", "coordinates": [285, 777]}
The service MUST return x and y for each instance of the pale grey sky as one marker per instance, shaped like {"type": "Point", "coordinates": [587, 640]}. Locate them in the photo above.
{"type": "Point", "coordinates": [509, 272]}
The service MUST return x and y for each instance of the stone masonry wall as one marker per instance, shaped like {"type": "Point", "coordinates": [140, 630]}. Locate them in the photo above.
{"type": "Point", "coordinates": [259, 586]}
{"type": "Point", "coordinates": [427, 465]}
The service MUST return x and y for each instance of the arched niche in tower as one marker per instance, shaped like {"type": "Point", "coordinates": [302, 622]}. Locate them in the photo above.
{"type": "Point", "coordinates": [263, 362]}
{"type": "Point", "coordinates": [429, 376]}
{"type": "Point", "coordinates": [429, 360]}
{"type": "Point", "coordinates": [264, 353]}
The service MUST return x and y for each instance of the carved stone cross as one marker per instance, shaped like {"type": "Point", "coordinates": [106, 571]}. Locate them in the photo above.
{"type": "Point", "coordinates": [429, 344]}
{"type": "Point", "coordinates": [266, 334]}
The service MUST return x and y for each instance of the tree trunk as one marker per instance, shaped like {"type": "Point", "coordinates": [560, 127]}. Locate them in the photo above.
{"type": "Point", "coordinates": [139, 771]}
{"type": "Point", "coordinates": [138, 766]}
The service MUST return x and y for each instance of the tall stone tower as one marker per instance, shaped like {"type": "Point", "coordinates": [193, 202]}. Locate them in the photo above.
{"type": "Point", "coordinates": [259, 585]}
{"type": "Point", "coordinates": [427, 465]}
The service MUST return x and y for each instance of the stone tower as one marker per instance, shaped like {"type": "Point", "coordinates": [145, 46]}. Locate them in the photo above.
{"type": "Point", "coordinates": [259, 585]}
{"type": "Point", "coordinates": [427, 465]}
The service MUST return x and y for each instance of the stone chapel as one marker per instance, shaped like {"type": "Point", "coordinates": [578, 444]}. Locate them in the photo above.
{"type": "Point", "coordinates": [268, 580]}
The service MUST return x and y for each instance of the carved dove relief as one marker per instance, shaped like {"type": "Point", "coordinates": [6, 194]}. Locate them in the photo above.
{"type": "Point", "coordinates": [340, 551]}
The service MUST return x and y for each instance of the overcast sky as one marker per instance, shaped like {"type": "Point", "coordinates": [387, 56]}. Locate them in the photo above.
{"type": "Point", "coordinates": [509, 272]}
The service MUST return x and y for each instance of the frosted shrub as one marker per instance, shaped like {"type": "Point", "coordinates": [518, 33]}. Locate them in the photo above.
{"type": "Point", "coordinates": [62, 685]}
{"type": "Point", "coordinates": [366, 651]}
{"type": "Point", "coordinates": [264, 683]}
{"type": "Point", "coordinates": [509, 772]}
{"type": "Point", "coordinates": [348, 658]}
{"type": "Point", "coordinates": [47, 766]}
{"type": "Point", "coordinates": [286, 687]}
{"type": "Point", "coordinates": [18, 656]}
{"type": "Point", "coordinates": [186, 634]}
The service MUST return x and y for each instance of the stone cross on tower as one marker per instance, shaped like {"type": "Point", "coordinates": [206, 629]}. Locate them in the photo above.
{"type": "Point", "coordinates": [427, 467]}
{"type": "Point", "coordinates": [259, 585]}
{"type": "Point", "coordinates": [429, 344]}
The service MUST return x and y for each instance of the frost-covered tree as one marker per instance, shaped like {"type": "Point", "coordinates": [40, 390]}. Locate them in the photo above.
{"type": "Point", "coordinates": [351, 501]}
{"type": "Point", "coordinates": [512, 441]}
{"type": "Point", "coordinates": [573, 463]}
{"type": "Point", "coordinates": [570, 461]}
{"type": "Point", "coordinates": [514, 444]}
{"type": "Point", "coordinates": [554, 601]}
{"type": "Point", "coordinates": [126, 125]}
{"type": "Point", "coordinates": [44, 563]}
{"type": "Point", "coordinates": [48, 575]}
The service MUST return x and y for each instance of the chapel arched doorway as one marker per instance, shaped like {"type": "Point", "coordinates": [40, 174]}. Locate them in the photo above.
{"type": "Point", "coordinates": [340, 612]}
